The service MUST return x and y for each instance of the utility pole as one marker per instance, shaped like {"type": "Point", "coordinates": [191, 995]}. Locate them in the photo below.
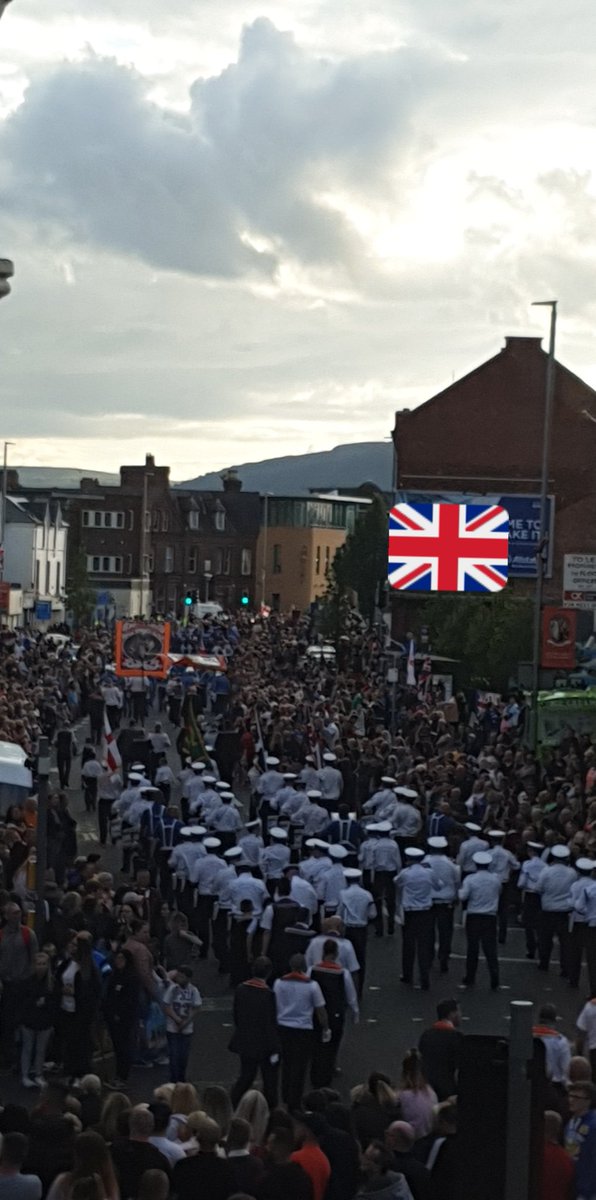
{"type": "Point", "coordinates": [3, 513]}
{"type": "Point", "coordinates": [519, 1100]}
{"type": "Point", "coordinates": [543, 545]}
{"type": "Point", "coordinates": [265, 536]}
{"type": "Point", "coordinates": [43, 772]}
{"type": "Point", "coordinates": [143, 549]}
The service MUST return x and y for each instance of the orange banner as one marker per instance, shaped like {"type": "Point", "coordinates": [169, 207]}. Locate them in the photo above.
{"type": "Point", "coordinates": [141, 647]}
{"type": "Point", "coordinates": [559, 626]}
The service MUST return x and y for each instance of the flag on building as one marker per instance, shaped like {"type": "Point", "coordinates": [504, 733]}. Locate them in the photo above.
{"type": "Point", "coordinates": [448, 547]}
{"type": "Point", "coordinates": [110, 751]}
{"type": "Point", "coordinates": [411, 676]}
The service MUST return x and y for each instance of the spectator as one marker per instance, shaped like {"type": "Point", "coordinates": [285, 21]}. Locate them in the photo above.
{"type": "Point", "coordinates": [416, 1099]}
{"type": "Point", "coordinates": [399, 1141]}
{"type": "Point", "coordinates": [91, 1157]}
{"type": "Point", "coordinates": [134, 1155]}
{"type": "Point", "coordinates": [440, 1049]}
{"type": "Point", "coordinates": [13, 1184]}
{"type": "Point", "coordinates": [558, 1171]}
{"type": "Point", "coordinates": [37, 1016]}
{"type": "Point", "coordinates": [205, 1174]}
{"type": "Point", "coordinates": [283, 1179]}
{"type": "Point", "coordinates": [310, 1128]}
{"type": "Point", "coordinates": [246, 1168]}
{"type": "Point", "coordinates": [380, 1181]}
{"type": "Point", "coordinates": [171, 1150]}
{"type": "Point", "coordinates": [253, 1107]}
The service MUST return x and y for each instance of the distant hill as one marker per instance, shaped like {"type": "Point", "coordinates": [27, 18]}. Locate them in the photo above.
{"type": "Point", "coordinates": [343, 467]}
{"type": "Point", "coordinates": [61, 477]}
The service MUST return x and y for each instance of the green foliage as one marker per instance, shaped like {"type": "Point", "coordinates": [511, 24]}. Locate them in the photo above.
{"type": "Point", "coordinates": [80, 596]}
{"type": "Point", "coordinates": [365, 556]}
{"type": "Point", "coordinates": [489, 635]}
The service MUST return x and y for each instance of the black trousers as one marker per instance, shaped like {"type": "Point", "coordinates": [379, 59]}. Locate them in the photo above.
{"type": "Point", "coordinates": [249, 1069]}
{"type": "Point", "coordinates": [575, 951]}
{"type": "Point", "coordinates": [530, 920]}
{"type": "Point", "coordinates": [481, 931]}
{"type": "Point", "coordinates": [325, 1054]}
{"type": "Point", "coordinates": [202, 922]}
{"type": "Point", "coordinates": [549, 924]}
{"type": "Point", "coordinates": [357, 935]}
{"type": "Point", "coordinates": [417, 942]}
{"type": "Point", "coordinates": [123, 1041]}
{"type": "Point", "coordinates": [383, 889]}
{"type": "Point", "coordinates": [442, 932]}
{"type": "Point", "coordinates": [63, 762]}
{"type": "Point", "coordinates": [502, 913]}
{"type": "Point", "coordinates": [104, 808]}
{"type": "Point", "coordinates": [221, 940]}
{"type": "Point", "coordinates": [296, 1052]}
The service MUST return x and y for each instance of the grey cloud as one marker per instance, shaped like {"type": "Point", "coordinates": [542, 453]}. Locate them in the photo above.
{"type": "Point", "coordinates": [89, 153]}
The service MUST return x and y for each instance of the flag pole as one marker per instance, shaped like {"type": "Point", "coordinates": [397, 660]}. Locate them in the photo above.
{"type": "Point", "coordinates": [543, 546]}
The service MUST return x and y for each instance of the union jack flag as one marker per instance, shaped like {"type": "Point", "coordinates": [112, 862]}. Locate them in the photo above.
{"type": "Point", "coordinates": [448, 547]}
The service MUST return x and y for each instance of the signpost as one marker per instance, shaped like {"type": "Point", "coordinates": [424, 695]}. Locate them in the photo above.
{"type": "Point", "coordinates": [579, 581]}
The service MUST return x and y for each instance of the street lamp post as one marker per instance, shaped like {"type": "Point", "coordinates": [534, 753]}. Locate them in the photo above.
{"type": "Point", "coordinates": [143, 550]}
{"type": "Point", "coordinates": [265, 539]}
{"type": "Point", "coordinates": [3, 509]}
{"type": "Point", "coordinates": [543, 547]}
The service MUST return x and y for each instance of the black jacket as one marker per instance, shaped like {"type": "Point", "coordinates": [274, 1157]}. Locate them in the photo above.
{"type": "Point", "coordinates": [255, 1035]}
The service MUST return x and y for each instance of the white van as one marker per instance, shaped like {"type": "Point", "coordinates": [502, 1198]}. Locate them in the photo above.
{"type": "Point", "coordinates": [208, 608]}
{"type": "Point", "coordinates": [15, 778]}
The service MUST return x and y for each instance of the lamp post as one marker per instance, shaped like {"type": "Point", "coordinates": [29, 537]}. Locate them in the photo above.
{"type": "Point", "coordinates": [265, 538]}
{"type": "Point", "coordinates": [543, 548]}
{"type": "Point", "coordinates": [143, 550]}
{"type": "Point", "coordinates": [41, 855]}
{"type": "Point", "coordinates": [3, 509]}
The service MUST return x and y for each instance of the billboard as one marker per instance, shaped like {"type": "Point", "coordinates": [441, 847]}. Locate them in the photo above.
{"type": "Point", "coordinates": [559, 627]}
{"type": "Point", "coordinates": [524, 523]}
{"type": "Point", "coordinates": [579, 580]}
{"type": "Point", "coordinates": [141, 648]}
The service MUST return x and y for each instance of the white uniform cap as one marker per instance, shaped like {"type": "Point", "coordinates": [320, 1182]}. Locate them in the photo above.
{"type": "Point", "coordinates": [560, 851]}
{"type": "Point", "coordinates": [329, 756]}
{"type": "Point", "coordinates": [586, 864]}
{"type": "Point", "coordinates": [384, 827]}
{"type": "Point", "coordinates": [352, 873]}
{"type": "Point", "coordinates": [341, 852]}
{"type": "Point", "coordinates": [482, 859]}
{"type": "Point", "coordinates": [437, 843]}
{"type": "Point", "coordinates": [193, 831]}
{"type": "Point", "coordinates": [314, 794]}
{"type": "Point", "coordinates": [536, 845]}
{"type": "Point", "coordinates": [407, 792]}
{"type": "Point", "coordinates": [227, 796]}
{"type": "Point", "coordinates": [311, 843]}
{"type": "Point", "coordinates": [414, 852]}
{"type": "Point", "coordinates": [186, 831]}
{"type": "Point", "coordinates": [135, 776]}
{"type": "Point", "coordinates": [209, 779]}
{"type": "Point", "coordinates": [222, 786]}
{"type": "Point", "coordinates": [388, 779]}
{"type": "Point", "coordinates": [320, 844]}
{"type": "Point", "coordinates": [472, 827]}
{"type": "Point", "coordinates": [212, 843]}
{"type": "Point", "coordinates": [198, 766]}
{"type": "Point", "coordinates": [252, 824]}
{"type": "Point", "coordinates": [139, 767]}
{"type": "Point", "coordinates": [373, 827]}
{"type": "Point", "coordinates": [233, 852]}
{"type": "Point", "coordinates": [290, 776]}
{"type": "Point", "coordinates": [496, 833]}
{"type": "Point", "coordinates": [272, 761]}
{"type": "Point", "coordinates": [277, 832]}
{"type": "Point", "coordinates": [309, 758]}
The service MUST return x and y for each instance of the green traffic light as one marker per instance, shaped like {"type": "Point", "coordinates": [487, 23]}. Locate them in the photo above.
{"type": "Point", "coordinates": [244, 600]}
{"type": "Point", "coordinates": [188, 599]}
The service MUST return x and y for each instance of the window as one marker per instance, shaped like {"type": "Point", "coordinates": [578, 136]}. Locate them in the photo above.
{"type": "Point", "coordinates": [131, 518]}
{"type": "Point", "coordinates": [227, 566]}
{"type": "Point", "coordinates": [48, 577]}
{"type": "Point", "coordinates": [245, 562]}
{"type": "Point", "coordinates": [193, 519]}
{"type": "Point", "coordinates": [165, 522]}
{"type": "Point", "coordinates": [327, 558]}
{"type": "Point", "coordinates": [192, 561]}
{"type": "Point", "coordinates": [58, 581]}
{"type": "Point", "coordinates": [104, 564]}
{"type": "Point", "coordinates": [129, 564]}
{"type": "Point", "coordinates": [147, 521]}
{"type": "Point", "coordinates": [277, 559]}
{"type": "Point", "coordinates": [98, 519]}
{"type": "Point", "coordinates": [155, 520]}
{"type": "Point", "coordinates": [220, 520]}
{"type": "Point", "coordinates": [168, 560]}
{"type": "Point", "coordinates": [318, 561]}
{"type": "Point", "coordinates": [219, 562]}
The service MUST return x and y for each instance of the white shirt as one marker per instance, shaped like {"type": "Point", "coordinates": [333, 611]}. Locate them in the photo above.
{"type": "Point", "coordinates": [247, 887]}
{"type": "Point", "coordinates": [204, 873]}
{"type": "Point", "coordinates": [467, 851]}
{"type": "Point", "coordinates": [557, 1053]}
{"type": "Point", "coordinates": [503, 862]}
{"type": "Point", "coordinates": [331, 783]}
{"type": "Point", "coordinates": [554, 887]}
{"type": "Point", "coordinates": [270, 783]}
{"type": "Point", "coordinates": [225, 819]}
{"type": "Point", "coordinates": [251, 848]}
{"type": "Point", "coordinates": [586, 1022]}
{"type": "Point", "coordinates": [296, 1000]}
{"type": "Point", "coordinates": [274, 860]}
{"type": "Point", "coordinates": [386, 855]}
{"type": "Point", "coordinates": [184, 857]}
{"type": "Point", "coordinates": [334, 883]}
{"type": "Point", "coordinates": [530, 873]}
{"type": "Point", "coordinates": [356, 906]}
{"type": "Point", "coordinates": [304, 894]}
{"type": "Point", "coordinates": [173, 1151]}
{"type": "Point", "coordinates": [445, 878]}
{"type": "Point", "coordinates": [316, 820]}
{"type": "Point", "coordinates": [346, 953]}
{"type": "Point", "coordinates": [182, 1000]}
{"type": "Point", "coordinates": [482, 891]}
{"type": "Point", "coordinates": [415, 887]}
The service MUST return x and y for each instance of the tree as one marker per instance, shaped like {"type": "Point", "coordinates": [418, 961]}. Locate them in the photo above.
{"type": "Point", "coordinates": [489, 635]}
{"type": "Point", "coordinates": [80, 596]}
{"type": "Point", "coordinates": [335, 606]}
{"type": "Point", "coordinates": [364, 562]}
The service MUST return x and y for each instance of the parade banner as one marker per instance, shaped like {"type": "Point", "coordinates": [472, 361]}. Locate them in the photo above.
{"type": "Point", "coordinates": [141, 648]}
{"type": "Point", "coordinates": [558, 637]}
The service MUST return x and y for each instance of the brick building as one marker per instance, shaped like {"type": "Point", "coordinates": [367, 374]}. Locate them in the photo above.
{"type": "Point", "coordinates": [483, 435]}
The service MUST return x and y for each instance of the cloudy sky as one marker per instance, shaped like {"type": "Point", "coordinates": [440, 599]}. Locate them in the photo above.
{"type": "Point", "coordinates": [244, 228]}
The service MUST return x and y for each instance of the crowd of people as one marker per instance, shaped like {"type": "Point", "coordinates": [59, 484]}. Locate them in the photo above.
{"type": "Point", "coordinates": [274, 818]}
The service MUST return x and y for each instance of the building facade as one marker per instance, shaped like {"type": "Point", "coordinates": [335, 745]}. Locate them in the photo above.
{"type": "Point", "coordinates": [483, 435]}
{"type": "Point", "coordinates": [35, 557]}
{"type": "Point", "coordinates": [299, 538]}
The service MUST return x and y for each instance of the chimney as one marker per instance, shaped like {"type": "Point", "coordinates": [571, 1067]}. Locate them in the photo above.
{"type": "Point", "coordinates": [12, 480]}
{"type": "Point", "coordinates": [523, 343]}
{"type": "Point", "coordinates": [149, 460]}
{"type": "Point", "coordinates": [230, 481]}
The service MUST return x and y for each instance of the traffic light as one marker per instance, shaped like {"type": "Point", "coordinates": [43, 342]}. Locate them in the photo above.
{"type": "Point", "coordinates": [245, 599]}
{"type": "Point", "coordinates": [188, 600]}
{"type": "Point", "coordinates": [194, 595]}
